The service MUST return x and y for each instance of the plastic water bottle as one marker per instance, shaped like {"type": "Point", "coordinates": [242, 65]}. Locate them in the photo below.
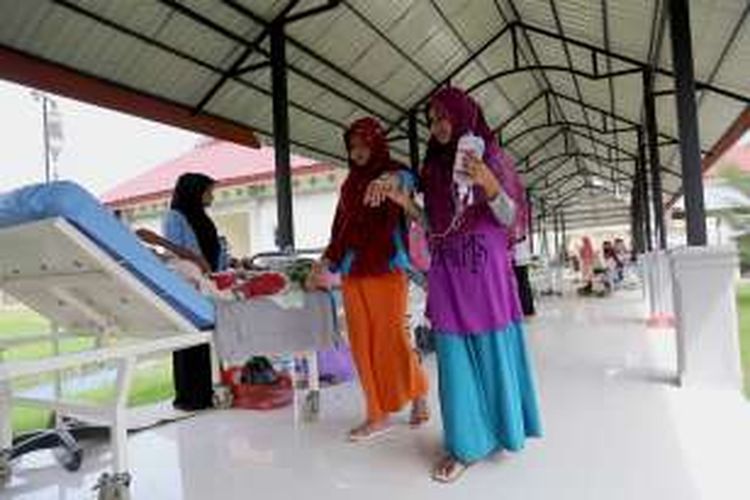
{"type": "Point", "coordinates": [467, 144]}
{"type": "Point", "coordinates": [286, 365]}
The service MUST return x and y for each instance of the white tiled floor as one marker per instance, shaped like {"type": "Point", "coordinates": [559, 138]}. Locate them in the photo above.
{"type": "Point", "coordinates": [614, 430]}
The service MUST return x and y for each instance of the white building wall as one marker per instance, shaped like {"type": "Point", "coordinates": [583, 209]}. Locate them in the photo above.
{"type": "Point", "coordinates": [264, 239]}
{"type": "Point", "coordinates": [313, 216]}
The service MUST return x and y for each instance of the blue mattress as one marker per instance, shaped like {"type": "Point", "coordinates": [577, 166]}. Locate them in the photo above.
{"type": "Point", "coordinates": [76, 205]}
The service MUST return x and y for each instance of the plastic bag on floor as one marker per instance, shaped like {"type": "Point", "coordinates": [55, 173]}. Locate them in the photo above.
{"type": "Point", "coordinates": [335, 365]}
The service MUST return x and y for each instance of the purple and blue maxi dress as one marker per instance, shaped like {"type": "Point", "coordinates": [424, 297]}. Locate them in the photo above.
{"type": "Point", "coordinates": [487, 394]}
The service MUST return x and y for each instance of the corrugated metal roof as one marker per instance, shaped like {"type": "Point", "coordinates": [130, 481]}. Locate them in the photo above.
{"type": "Point", "coordinates": [385, 57]}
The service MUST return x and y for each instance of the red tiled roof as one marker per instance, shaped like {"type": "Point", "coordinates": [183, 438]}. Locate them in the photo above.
{"type": "Point", "coordinates": [228, 163]}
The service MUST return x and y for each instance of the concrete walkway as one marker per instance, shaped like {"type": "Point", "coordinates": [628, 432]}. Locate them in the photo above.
{"type": "Point", "coordinates": [616, 428]}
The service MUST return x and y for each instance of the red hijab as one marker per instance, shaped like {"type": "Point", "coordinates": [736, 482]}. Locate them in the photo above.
{"type": "Point", "coordinates": [367, 231]}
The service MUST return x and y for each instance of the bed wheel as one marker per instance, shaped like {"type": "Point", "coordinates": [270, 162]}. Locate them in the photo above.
{"type": "Point", "coordinates": [69, 453]}
{"type": "Point", "coordinates": [5, 469]}
{"type": "Point", "coordinates": [70, 458]}
{"type": "Point", "coordinates": [113, 486]}
{"type": "Point", "coordinates": [312, 405]}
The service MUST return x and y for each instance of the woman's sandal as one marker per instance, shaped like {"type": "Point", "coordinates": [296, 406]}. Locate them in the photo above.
{"type": "Point", "coordinates": [369, 431]}
{"type": "Point", "coordinates": [420, 414]}
{"type": "Point", "coordinates": [448, 470]}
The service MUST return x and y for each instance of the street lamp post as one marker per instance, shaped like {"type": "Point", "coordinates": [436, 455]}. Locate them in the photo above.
{"type": "Point", "coordinates": [47, 170]}
{"type": "Point", "coordinates": [52, 130]}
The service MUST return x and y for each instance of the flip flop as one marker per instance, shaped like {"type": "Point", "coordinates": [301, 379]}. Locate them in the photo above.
{"type": "Point", "coordinates": [368, 432]}
{"type": "Point", "coordinates": [453, 473]}
{"type": "Point", "coordinates": [420, 415]}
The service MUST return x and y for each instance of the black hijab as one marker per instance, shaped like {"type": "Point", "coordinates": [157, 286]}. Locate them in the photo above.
{"type": "Point", "coordinates": [187, 199]}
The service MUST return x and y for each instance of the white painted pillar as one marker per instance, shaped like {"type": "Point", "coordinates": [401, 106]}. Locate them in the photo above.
{"type": "Point", "coordinates": [642, 263]}
{"type": "Point", "coordinates": [649, 283]}
{"type": "Point", "coordinates": [719, 232]}
{"type": "Point", "coordinates": [704, 281]}
{"type": "Point", "coordinates": [663, 285]}
{"type": "Point", "coordinates": [657, 282]}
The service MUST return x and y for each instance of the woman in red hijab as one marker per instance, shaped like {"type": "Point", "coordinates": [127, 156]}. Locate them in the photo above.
{"type": "Point", "coordinates": [368, 246]}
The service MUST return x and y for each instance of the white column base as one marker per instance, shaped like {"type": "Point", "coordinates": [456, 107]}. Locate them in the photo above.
{"type": "Point", "coordinates": [661, 314]}
{"type": "Point", "coordinates": [704, 280]}
{"type": "Point", "coordinates": [657, 289]}
{"type": "Point", "coordinates": [643, 275]}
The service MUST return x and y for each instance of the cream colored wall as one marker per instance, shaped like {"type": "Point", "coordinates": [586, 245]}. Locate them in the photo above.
{"type": "Point", "coordinates": [235, 226]}
{"type": "Point", "coordinates": [313, 215]}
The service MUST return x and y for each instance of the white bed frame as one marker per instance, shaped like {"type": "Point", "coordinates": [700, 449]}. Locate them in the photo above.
{"type": "Point", "coordinates": [58, 271]}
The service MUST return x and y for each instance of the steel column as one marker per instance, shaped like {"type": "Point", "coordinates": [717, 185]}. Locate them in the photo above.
{"type": "Point", "coordinates": [45, 112]}
{"type": "Point", "coordinates": [285, 220]}
{"type": "Point", "coordinates": [544, 236]}
{"type": "Point", "coordinates": [564, 232]}
{"type": "Point", "coordinates": [413, 140]}
{"type": "Point", "coordinates": [652, 132]}
{"type": "Point", "coordinates": [636, 227]}
{"type": "Point", "coordinates": [530, 221]}
{"type": "Point", "coordinates": [643, 192]}
{"type": "Point", "coordinates": [556, 230]}
{"type": "Point", "coordinates": [687, 120]}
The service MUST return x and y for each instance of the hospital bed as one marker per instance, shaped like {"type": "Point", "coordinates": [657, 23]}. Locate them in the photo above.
{"type": "Point", "coordinates": [68, 258]}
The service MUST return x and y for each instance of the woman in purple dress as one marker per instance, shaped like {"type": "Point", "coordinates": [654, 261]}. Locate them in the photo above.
{"type": "Point", "coordinates": [487, 395]}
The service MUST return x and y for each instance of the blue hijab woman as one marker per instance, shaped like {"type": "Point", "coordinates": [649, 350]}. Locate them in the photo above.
{"type": "Point", "coordinates": [188, 226]}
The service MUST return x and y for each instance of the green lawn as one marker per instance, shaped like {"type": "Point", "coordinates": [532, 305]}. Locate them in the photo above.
{"type": "Point", "coordinates": [17, 323]}
{"type": "Point", "coordinates": [152, 381]}
{"type": "Point", "coordinates": [21, 321]}
{"type": "Point", "coordinates": [743, 306]}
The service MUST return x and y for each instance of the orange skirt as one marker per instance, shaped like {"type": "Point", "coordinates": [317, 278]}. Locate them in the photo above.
{"type": "Point", "coordinates": [389, 370]}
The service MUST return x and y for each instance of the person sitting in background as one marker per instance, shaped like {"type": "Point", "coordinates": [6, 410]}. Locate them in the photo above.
{"type": "Point", "coordinates": [623, 255]}
{"type": "Point", "coordinates": [612, 262]}
{"type": "Point", "coordinates": [620, 249]}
